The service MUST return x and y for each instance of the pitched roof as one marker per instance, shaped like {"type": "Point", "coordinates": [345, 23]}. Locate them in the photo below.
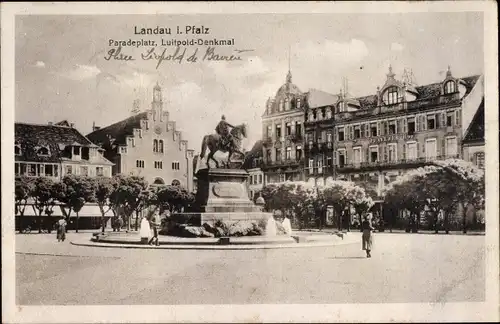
{"type": "Point", "coordinates": [255, 152]}
{"type": "Point", "coordinates": [119, 130]}
{"type": "Point", "coordinates": [317, 98]}
{"type": "Point", "coordinates": [476, 129]}
{"type": "Point", "coordinates": [55, 138]}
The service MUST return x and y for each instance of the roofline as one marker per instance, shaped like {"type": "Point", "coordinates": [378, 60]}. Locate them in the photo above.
{"type": "Point", "coordinates": [48, 125]}
{"type": "Point", "coordinates": [115, 123]}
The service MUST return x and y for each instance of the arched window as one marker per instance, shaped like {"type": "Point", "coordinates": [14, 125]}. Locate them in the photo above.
{"type": "Point", "coordinates": [391, 96]}
{"type": "Point", "coordinates": [176, 183]}
{"type": "Point", "coordinates": [160, 146]}
{"type": "Point", "coordinates": [159, 181]}
{"type": "Point", "coordinates": [43, 151]}
{"type": "Point", "coordinates": [155, 145]}
{"type": "Point", "coordinates": [298, 102]}
{"type": "Point", "coordinates": [449, 87]}
{"type": "Point", "coordinates": [281, 105]}
{"type": "Point", "coordinates": [341, 107]}
{"type": "Point", "coordinates": [287, 104]}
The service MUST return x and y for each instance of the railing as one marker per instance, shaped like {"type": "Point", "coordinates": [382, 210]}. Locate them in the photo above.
{"type": "Point", "coordinates": [285, 162]}
{"type": "Point", "coordinates": [398, 162]}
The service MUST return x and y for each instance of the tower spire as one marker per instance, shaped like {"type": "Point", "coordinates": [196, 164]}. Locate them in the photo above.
{"type": "Point", "coordinates": [289, 75]}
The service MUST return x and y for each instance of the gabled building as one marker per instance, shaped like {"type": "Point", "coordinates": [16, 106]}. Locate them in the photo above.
{"type": "Point", "coordinates": [148, 144]}
{"type": "Point", "coordinates": [253, 165]}
{"type": "Point", "coordinates": [55, 151]}
{"type": "Point", "coordinates": [473, 142]}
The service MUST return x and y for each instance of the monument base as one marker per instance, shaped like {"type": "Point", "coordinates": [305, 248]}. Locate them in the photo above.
{"type": "Point", "coordinates": [223, 191]}
{"type": "Point", "coordinates": [198, 219]}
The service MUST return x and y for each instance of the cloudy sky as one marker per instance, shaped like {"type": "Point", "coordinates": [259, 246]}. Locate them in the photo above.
{"type": "Point", "coordinates": [61, 72]}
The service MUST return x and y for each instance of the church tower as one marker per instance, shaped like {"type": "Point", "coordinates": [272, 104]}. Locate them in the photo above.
{"type": "Point", "coordinates": [157, 104]}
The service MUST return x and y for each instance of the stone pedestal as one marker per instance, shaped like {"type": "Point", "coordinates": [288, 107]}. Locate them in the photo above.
{"type": "Point", "coordinates": [223, 191]}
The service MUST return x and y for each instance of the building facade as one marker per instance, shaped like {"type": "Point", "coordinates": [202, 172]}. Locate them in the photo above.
{"type": "Point", "coordinates": [56, 150]}
{"type": "Point", "coordinates": [473, 142]}
{"type": "Point", "coordinates": [282, 129]}
{"type": "Point", "coordinates": [148, 144]}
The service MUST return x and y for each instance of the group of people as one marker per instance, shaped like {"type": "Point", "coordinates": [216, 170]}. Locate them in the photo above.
{"type": "Point", "coordinates": [150, 228]}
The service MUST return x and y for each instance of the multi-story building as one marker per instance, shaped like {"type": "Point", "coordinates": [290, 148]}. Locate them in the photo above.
{"type": "Point", "coordinates": [55, 150]}
{"type": "Point", "coordinates": [148, 144]}
{"type": "Point", "coordinates": [403, 126]}
{"type": "Point", "coordinates": [283, 131]}
{"type": "Point", "coordinates": [253, 165]}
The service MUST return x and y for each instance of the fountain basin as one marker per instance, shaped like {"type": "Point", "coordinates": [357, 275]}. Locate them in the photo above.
{"type": "Point", "coordinates": [198, 219]}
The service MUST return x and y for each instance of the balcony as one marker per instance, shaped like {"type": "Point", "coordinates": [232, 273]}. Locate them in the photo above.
{"type": "Point", "coordinates": [394, 164]}
{"type": "Point", "coordinates": [284, 163]}
{"type": "Point", "coordinates": [296, 138]}
{"type": "Point", "coordinates": [268, 141]}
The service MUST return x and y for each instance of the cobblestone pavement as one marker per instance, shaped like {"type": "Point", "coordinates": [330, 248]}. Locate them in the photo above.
{"type": "Point", "coordinates": [403, 268]}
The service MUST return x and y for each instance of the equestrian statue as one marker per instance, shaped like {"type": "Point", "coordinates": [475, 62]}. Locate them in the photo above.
{"type": "Point", "coordinates": [223, 140]}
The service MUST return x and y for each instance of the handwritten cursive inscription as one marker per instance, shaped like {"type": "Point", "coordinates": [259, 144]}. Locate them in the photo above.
{"type": "Point", "coordinates": [116, 54]}
{"type": "Point", "coordinates": [211, 55]}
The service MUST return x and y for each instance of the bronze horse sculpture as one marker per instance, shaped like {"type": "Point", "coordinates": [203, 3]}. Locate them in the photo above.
{"type": "Point", "coordinates": [214, 144]}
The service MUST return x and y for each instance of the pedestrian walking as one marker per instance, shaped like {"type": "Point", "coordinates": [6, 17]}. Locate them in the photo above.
{"type": "Point", "coordinates": [367, 238]}
{"type": "Point", "coordinates": [145, 231]}
{"type": "Point", "coordinates": [61, 229]}
{"type": "Point", "coordinates": [155, 224]}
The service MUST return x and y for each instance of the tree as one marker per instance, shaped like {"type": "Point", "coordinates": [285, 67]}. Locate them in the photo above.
{"type": "Point", "coordinates": [104, 188]}
{"type": "Point", "coordinates": [129, 195]}
{"type": "Point", "coordinates": [74, 192]}
{"type": "Point", "coordinates": [23, 190]}
{"type": "Point", "coordinates": [44, 196]}
{"type": "Point", "coordinates": [338, 194]}
{"type": "Point", "coordinates": [361, 202]}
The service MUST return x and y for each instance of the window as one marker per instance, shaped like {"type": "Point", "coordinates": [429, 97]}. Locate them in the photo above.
{"type": "Point", "coordinates": [298, 129]}
{"type": "Point", "coordinates": [69, 169]}
{"type": "Point", "coordinates": [281, 105]}
{"type": "Point", "coordinates": [328, 161]}
{"type": "Point", "coordinates": [298, 102]}
{"type": "Point", "coordinates": [76, 150]}
{"type": "Point", "coordinates": [392, 127]}
{"type": "Point", "coordinates": [328, 137]}
{"type": "Point", "coordinates": [43, 151]}
{"type": "Point", "coordinates": [269, 131]}
{"type": "Point", "coordinates": [250, 179]}
{"type": "Point", "coordinates": [341, 134]}
{"type": "Point", "coordinates": [431, 121]}
{"type": "Point", "coordinates": [288, 153]}
{"type": "Point", "coordinates": [268, 155]}
{"type": "Point", "coordinates": [123, 150]}
{"type": "Point", "coordinates": [411, 125]}
{"type": "Point", "coordinates": [49, 170]}
{"type": "Point", "coordinates": [357, 132]}
{"type": "Point", "coordinates": [99, 171]}
{"type": "Point", "coordinates": [449, 87]}
{"type": "Point", "coordinates": [341, 160]}
{"type": "Point", "coordinates": [373, 154]}
{"type": "Point", "coordinates": [155, 145]}
{"type": "Point", "coordinates": [451, 146]}
{"type": "Point", "coordinates": [311, 165]}
{"type": "Point", "coordinates": [430, 149]}
{"type": "Point", "coordinates": [357, 155]}
{"type": "Point", "coordinates": [449, 119]}
{"type": "Point", "coordinates": [17, 169]}
{"type": "Point", "coordinates": [288, 129]}
{"type": "Point", "coordinates": [84, 171]}
{"type": "Point", "coordinates": [176, 165]}
{"type": "Point", "coordinates": [298, 153]}
{"type": "Point", "coordinates": [373, 129]}
{"type": "Point", "coordinates": [457, 117]}
{"type": "Point", "coordinates": [282, 178]}
{"type": "Point", "coordinates": [260, 178]}
{"type": "Point", "coordinates": [391, 96]}
{"type": "Point", "coordinates": [17, 150]}
{"type": "Point", "coordinates": [479, 159]}
{"type": "Point", "coordinates": [158, 165]}
{"type": "Point", "coordinates": [160, 146]}
{"type": "Point", "coordinates": [139, 164]}
{"type": "Point", "coordinates": [278, 154]}
{"type": "Point", "coordinates": [310, 116]}
{"type": "Point", "coordinates": [392, 150]}
{"type": "Point", "coordinates": [278, 131]}
{"type": "Point", "coordinates": [411, 151]}
{"type": "Point", "coordinates": [319, 163]}
{"type": "Point", "coordinates": [328, 112]}
{"type": "Point", "coordinates": [342, 106]}
{"type": "Point", "coordinates": [176, 182]}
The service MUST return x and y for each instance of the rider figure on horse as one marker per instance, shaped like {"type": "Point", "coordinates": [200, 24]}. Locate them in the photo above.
{"type": "Point", "coordinates": [223, 130]}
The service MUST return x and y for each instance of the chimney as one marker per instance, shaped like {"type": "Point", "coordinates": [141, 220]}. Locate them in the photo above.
{"type": "Point", "coordinates": [50, 123]}
{"type": "Point", "coordinates": [71, 125]}
{"type": "Point", "coordinates": [94, 127]}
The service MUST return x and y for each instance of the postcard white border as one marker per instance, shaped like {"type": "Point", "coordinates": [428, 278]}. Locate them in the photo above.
{"type": "Point", "coordinates": [405, 312]}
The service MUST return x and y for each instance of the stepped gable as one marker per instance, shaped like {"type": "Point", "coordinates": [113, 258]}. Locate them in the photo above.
{"type": "Point", "coordinates": [475, 133]}
{"type": "Point", "coordinates": [31, 137]}
{"type": "Point", "coordinates": [119, 130]}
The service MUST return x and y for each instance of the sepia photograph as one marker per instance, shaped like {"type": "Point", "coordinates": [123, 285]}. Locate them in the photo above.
{"type": "Point", "coordinates": [248, 163]}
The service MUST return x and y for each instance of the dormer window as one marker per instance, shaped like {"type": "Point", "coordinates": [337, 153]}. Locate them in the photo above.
{"type": "Point", "coordinates": [298, 102]}
{"type": "Point", "coordinates": [342, 106]}
{"type": "Point", "coordinates": [328, 113]}
{"type": "Point", "coordinates": [287, 104]}
{"type": "Point", "coordinates": [76, 150]}
{"type": "Point", "coordinates": [281, 105]}
{"type": "Point", "coordinates": [391, 96]}
{"type": "Point", "coordinates": [43, 151]}
{"type": "Point", "coordinates": [450, 87]}
{"type": "Point", "coordinates": [17, 150]}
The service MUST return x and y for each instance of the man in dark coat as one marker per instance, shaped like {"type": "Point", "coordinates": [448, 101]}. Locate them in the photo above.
{"type": "Point", "coordinates": [223, 130]}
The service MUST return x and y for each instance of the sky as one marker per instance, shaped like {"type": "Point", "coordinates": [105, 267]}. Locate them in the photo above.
{"type": "Point", "coordinates": [62, 73]}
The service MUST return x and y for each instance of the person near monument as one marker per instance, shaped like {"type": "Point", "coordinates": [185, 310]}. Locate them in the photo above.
{"type": "Point", "coordinates": [155, 224]}
{"type": "Point", "coordinates": [145, 231]}
{"type": "Point", "coordinates": [367, 238]}
{"type": "Point", "coordinates": [223, 130]}
{"type": "Point", "coordinates": [61, 229]}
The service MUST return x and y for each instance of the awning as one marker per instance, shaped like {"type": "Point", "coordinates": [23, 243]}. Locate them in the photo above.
{"type": "Point", "coordinates": [89, 210]}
